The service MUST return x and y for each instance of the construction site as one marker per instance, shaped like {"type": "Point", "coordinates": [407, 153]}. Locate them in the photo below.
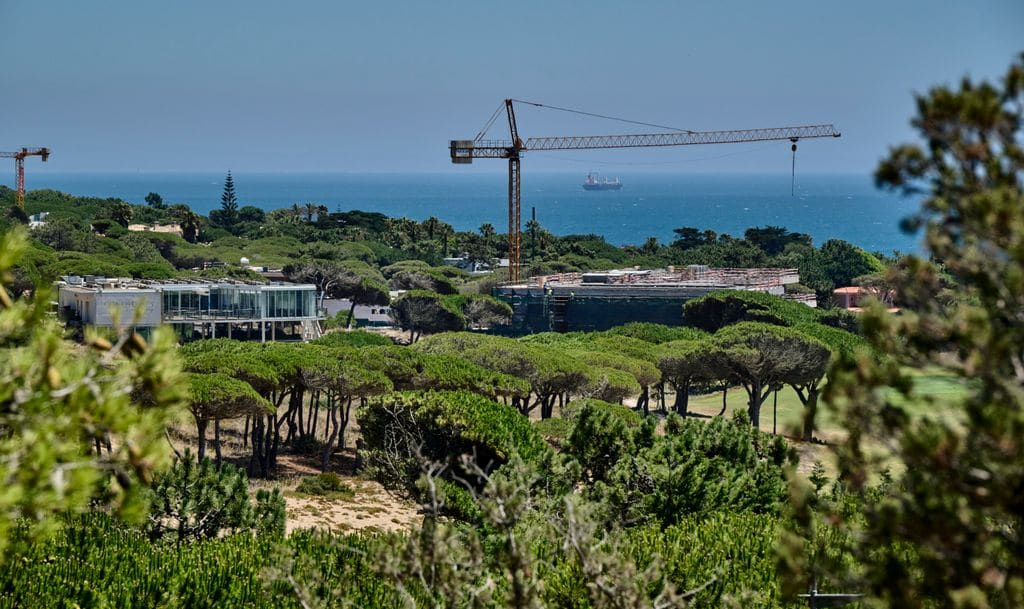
{"type": "Point", "coordinates": [579, 302]}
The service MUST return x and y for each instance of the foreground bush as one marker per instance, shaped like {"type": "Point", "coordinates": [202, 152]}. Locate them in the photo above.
{"type": "Point", "coordinates": [193, 501]}
{"type": "Point", "coordinates": [400, 431]}
{"type": "Point", "coordinates": [96, 562]}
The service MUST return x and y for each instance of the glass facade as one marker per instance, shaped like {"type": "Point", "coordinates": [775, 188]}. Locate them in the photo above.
{"type": "Point", "coordinates": [290, 303]}
{"type": "Point", "coordinates": [241, 302]}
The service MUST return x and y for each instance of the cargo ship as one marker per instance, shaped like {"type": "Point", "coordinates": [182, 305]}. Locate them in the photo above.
{"type": "Point", "coordinates": [593, 182]}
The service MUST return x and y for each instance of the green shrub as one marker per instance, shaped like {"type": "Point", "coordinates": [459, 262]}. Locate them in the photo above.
{"type": "Point", "coordinates": [95, 561]}
{"type": "Point", "coordinates": [354, 338]}
{"type": "Point", "coordinates": [192, 501]}
{"type": "Point", "coordinates": [697, 467]}
{"type": "Point", "coordinates": [718, 309]}
{"type": "Point", "coordinates": [604, 433]}
{"type": "Point", "coordinates": [327, 484]}
{"type": "Point", "coordinates": [402, 428]}
{"type": "Point", "coordinates": [655, 333]}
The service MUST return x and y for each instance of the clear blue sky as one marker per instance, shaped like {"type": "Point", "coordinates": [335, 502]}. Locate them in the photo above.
{"type": "Point", "coordinates": [327, 85]}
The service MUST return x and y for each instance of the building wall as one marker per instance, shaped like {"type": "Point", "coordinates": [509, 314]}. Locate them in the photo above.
{"type": "Point", "coordinates": [532, 313]}
{"type": "Point", "coordinates": [372, 316]}
{"type": "Point", "coordinates": [97, 308]}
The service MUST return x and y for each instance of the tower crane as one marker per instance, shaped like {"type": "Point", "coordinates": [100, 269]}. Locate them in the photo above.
{"type": "Point", "coordinates": [464, 151]}
{"type": "Point", "coordinates": [19, 166]}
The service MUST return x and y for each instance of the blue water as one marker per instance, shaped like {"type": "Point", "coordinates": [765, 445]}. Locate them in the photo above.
{"type": "Point", "coordinates": [825, 206]}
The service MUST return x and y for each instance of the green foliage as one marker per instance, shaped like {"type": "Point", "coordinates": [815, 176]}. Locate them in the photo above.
{"type": "Point", "coordinates": [326, 484]}
{"type": "Point", "coordinates": [609, 384]}
{"type": "Point", "coordinates": [721, 308]}
{"type": "Point", "coordinates": [62, 403]}
{"type": "Point", "coordinates": [642, 371]}
{"type": "Point", "coordinates": [400, 429]}
{"type": "Point", "coordinates": [219, 396]}
{"type": "Point", "coordinates": [761, 357]}
{"type": "Point", "coordinates": [685, 363]}
{"type": "Point", "coordinates": [698, 468]}
{"type": "Point", "coordinates": [773, 240]}
{"type": "Point", "coordinates": [419, 312]}
{"type": "Point", "coordinates": [655, 333]}
{"type": "Point", "coordinates": [948, 531]}
{"type": "Point", "coordinates": [355, 338]}
{"type": "Point", "coordinates": [843, 262]}
{"type": "Point", "coordinates": [602, 434]}
{"type": "Point", "coordinates": [193, 501]}
{"type": "Point", "coordinates": [422, 279]}
{"type": "Point", "coordinates": [95, 561]}
{"type": "Point", "coordinates": [480, 310]}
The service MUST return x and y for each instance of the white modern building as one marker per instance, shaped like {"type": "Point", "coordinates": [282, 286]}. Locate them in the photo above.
{"type": "Point", "coordinates": [196, 309]}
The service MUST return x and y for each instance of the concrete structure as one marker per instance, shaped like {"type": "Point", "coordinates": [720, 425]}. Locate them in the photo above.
{"type": "Point", "coordinates": [195, 309]}
{"type": "Point", "coordinates": [172, 229]}
{"type": "Point", "coordinates": [601, 300]}
{"type": "Point", "coordinates": [363, 315]}
{"type": "Point", "coordinates": [37, 220]}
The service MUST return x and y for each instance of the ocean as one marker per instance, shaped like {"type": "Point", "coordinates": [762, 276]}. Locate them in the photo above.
{"type": "Point", "coordinates": [827, 207]}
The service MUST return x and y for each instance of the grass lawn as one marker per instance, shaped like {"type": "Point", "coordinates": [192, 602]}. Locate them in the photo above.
{"type": "Point", "coordinates": [934, 392]}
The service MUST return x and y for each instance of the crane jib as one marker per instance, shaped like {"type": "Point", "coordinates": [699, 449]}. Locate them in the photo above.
{"type": "Point", "coordinates": [463, 151]}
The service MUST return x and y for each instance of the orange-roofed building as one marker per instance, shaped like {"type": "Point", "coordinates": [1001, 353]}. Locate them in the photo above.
{"type": "Point", "coordinates": [849, 297]}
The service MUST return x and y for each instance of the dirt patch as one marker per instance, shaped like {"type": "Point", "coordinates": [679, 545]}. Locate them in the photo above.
{"type": "Point", "coordinates": [371, 508]}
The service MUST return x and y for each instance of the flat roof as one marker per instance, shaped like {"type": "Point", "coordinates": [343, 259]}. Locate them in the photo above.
{"type": "Point", "coordinates": [695, 276]}
{"type": "Point", "coordinates": [123, 284]}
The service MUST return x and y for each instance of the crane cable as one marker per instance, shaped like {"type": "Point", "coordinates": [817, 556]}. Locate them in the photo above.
{"type": "Point", "coordinates": [480, 134]}
{"type": "Point", "coordinates": [651, 163]}
{"type": "Point", "coordinates": [611, 118]}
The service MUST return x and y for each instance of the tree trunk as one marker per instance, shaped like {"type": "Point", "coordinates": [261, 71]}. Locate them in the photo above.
{"type": "Point", "coordinates": [643, 402]}
{"type": "Point", "coordinates": [216, 445]}
{"type": "Point", "coordinates": [314, 416]}
{"type": "Point", "coordinates": [201, 428]}
{"type": "Point", "coordinates": [756, 399]}
{"type": "Point", "coordinates": [725, 403]}
{"type": "Point", "coordinates": [332, 424]}
{"type": "Point", "coordinates": [351, 313]}
{"type": "Point", "coordinates": [775, 412]}
{"type": "Point", "coordinates": [682, 404]}
{"type": "Point", "coordinates": [809, 398]}
{"type": "Point", "coordinates": [346, 413]}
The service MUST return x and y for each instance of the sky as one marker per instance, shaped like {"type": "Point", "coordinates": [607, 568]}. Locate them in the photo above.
{"type": "Point", "coordinates": [382, 86]}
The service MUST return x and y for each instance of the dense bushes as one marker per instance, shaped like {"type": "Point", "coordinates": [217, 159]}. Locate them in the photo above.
{"type": "Point", "coordinates": [400, 430]}
{"type": "Point", "coordinates": [194, 501]}
{"type": "Point", "coordinates": [97, 562]}
{"type": "Point", "coordinates": [695, 468]}
{"type": "Point", "coordinates": [722, 308]}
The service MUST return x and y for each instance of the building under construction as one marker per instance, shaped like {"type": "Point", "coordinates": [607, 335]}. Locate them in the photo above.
{"type": "Point", "coordinates": [594, 301]}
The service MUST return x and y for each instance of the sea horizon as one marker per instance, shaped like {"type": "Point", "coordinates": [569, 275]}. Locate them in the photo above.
{"type": "Point", "coordinates": [651, 203]}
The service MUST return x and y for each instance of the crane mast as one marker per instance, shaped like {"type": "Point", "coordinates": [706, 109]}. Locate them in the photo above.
{"type": "Point", "coordinates": [464, 151]}
{"type": "Point", "coordinates": [19, 167]}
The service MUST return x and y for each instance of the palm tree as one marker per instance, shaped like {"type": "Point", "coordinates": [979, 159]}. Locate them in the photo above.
{"type": "Point", "coordinates": [189, 221]}
{"type": "Point", "coordinates": [431, 225]}
{"type": "Point", "coordinates": [310, 211]}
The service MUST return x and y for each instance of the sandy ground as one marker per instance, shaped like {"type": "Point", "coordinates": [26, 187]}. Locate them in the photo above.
{"type": "Point", "coordinates": [372, 507]}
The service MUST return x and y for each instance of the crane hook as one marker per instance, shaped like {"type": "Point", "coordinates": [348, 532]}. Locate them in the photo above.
{"type": "Point", "coordinates": [792, 177]}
